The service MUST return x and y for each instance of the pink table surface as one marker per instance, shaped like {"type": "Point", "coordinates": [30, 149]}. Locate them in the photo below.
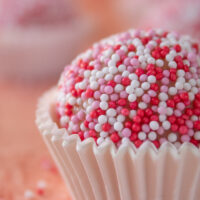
{"type": "Point", "coordinates": [24, 159]}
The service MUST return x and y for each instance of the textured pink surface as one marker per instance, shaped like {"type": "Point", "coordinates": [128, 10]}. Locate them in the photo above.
{"type": "Point", "coordinates": [24, 159]}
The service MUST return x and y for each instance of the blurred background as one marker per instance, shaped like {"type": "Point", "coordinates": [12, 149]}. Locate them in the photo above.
{"type": "Point", "coordinates": [37, 39]}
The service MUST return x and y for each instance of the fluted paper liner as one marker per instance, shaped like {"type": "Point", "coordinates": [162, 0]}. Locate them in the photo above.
{"type": "Point", "coordinates": [104, 172]}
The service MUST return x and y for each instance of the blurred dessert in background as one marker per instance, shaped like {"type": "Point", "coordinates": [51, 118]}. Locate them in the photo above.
{"type": "Point", "coordinates": [180, 15]}
{"type": "Point", "coordinates": [38, 37]}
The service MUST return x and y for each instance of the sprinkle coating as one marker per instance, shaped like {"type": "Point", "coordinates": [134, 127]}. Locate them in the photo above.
{"type": "Point", "coordinates": [138, 85]}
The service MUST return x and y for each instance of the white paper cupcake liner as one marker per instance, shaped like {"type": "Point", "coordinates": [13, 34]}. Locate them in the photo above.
{"type": "Point", "coordinates": [105, 173]}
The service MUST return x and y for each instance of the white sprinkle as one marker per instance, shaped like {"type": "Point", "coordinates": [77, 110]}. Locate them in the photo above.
{"type": "Point", "coordinates": [100, 140]}
{"type": "Point", "coordinates": [142, 135]}
{"type": "Point", "coordinates": [102, 119]}
{"type": "Point", "coordinates": [118, 126]}
{"type": "Point", "coordinates": [104, 97]}
{"type": "Point", "coordinates": [163, 96]}
{"type": "Point", "coordinates": [64, 120]}
{"type": "Point", "coordinates": [139, 92]}
{"type": "Point", "coordinates": [172, 137]}
{"type": "Point", "coordinates": [99, 74]}
{"type": "Point", "coordinates": [151, 60]}
{"type": "Point", "coordinates": [142, 105]}
{"type": "Point", "coordinates": [145, 86]}
{"type": "Point", "coordinates": [111, 63]}
{"type": "Point", "coordinates": [151, 79]}
{"type": "Point", "coordinates": [179, 85]}
{"type": "Point", "coordinates": [154, 125]}
{"type": "Point", "coordinates": [87, 73]}
{"type": "Point", "coordinates": [135, 83]}
{"type": "Point", "coordinates": [133, 76]}
{"type": "Point", "coordinates": [129, 89]}
{"type": "Point", "coordinates": [111, 112]}
{"type": "Point", "coordinates": [152, 136]}
{"type": "Point", "coordinates": [94, 85]}
{"type": "Point", "coordinates": [132, 113]}
{"type": "Point", "coordinates": [103, 134]}
{"type": "Point", "coordinates": [103, 105]}
{"type": "Point", "coordinates": [159, 63]}
{"type": "Point", "coordinates": [132, 97]}
{"type": "Point", "coordinates": [108, 77]}
{"type": "Point", "coordinates": [125, 73]}
{"type": "Point", "coordinates": [181, 73]}
{"type": "Point", "coordinates": [72, 100]}
{"type": "Point", "coordinates": [195, 90]}
{"type": "Point", "coordinates": [97, 127]}
{"type": "Point", "coordinates": [187, 86]}
{"type": "Point", "coordinates": [162, 118]}
{"type": "Point", "coordinates": [113, 70]}
{"type": "Point", "coordinates": [191, 96]}
{"type": "Point", "coordinates": [121, 68]}
{"type": "Point", "coordinates": [197, 135]}
{"type": "Point", "coordinates": [172, 64]}
{"type": "Point", "coordinates": [119, 88]}
{"type": "Point", "coordinates": [112, 120]}
{"type": "Point", "coordinates": [120, 118]}
{"type": "Point", "coordinates": [192, 82]}
{"type": "Point", "coordinates": [166, 125]}
{"type": "Point", "coordinates": [172, 91]}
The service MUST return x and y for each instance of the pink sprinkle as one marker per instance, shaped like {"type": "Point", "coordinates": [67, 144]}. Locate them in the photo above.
{"type": "Point", "coordinates": [191, 57]}
{"type": "Point", "coordinates": [185, 138]}
{"type": "Point", "coordinates": [164, 88]}
{"type": "Point", "coordinates": [165, 81]}
{"type": "Point", "coordinates": [145, 128]}
{"type": "Point", "coordinates": [134, 62]}
{"type": "Point", "coordinates": [166, 73]}
{"type": "Point", "coordinates": [152, 93]}
{"type": "Point", "coordinates": [189, 123]}
{"type": "Point", "coordinates": [95, 105]}
{"type": "Point", "coordinates": [76, 128]}
{"type": "Point", "coordinates": [74, 119]}
{"type": "Point", "coordinates": [102, 87]}
{"type": "Point", "coordinates": [97, 95]}
{"type": "Point", "coordinates": [162, 110]}
{"type": "Point", "coordinates": [91, 125]}
{"type": "Point", "coordinates": [126, 132]}
{"type": "Point", "coordinates": [81, 115]}
{"type": "Point", "coordinates": [118, 78]}
{"type": "Point", "coordinates": [180, 106]}
{"type": "Point", "coordinates": [177, 113]}
{"type": "Point", "coordinates": [162, 140]}
{"type": "Point", "coordinates": [101, 81]}
{"type": "Point", "coordinates": [123, 94]}
{"type": "Point", "coordinates": [160, 130]}
{"type": "Point", "coordinates": [120, 52]}
{"type": "Point", "coordinates": [130, 69]}
{"type": "Point", "coordinates": [114, 97]}
{"type": "Point", "coordinates": [108, 89]}
{"type": "Point", "coordinates": [143, 77]}
{"type": "Point", "coordinates": [127, 61]}
{"type": "Point", "coordinates": [146, 98]}
{"type": "Point", "coordinates": [88, 118]}
{"type": "Point", "coordinates": [154, 108]}
{"type": "Point", "coordinates": [190, 132]}
{"type": "Point", "coordinates": [86, 134]}
{"type": "Point", "coordinates": [188, 75]}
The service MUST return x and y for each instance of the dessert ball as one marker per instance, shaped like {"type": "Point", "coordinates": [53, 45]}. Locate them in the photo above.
{"type": "Point", "coordinates": [134, 86]}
